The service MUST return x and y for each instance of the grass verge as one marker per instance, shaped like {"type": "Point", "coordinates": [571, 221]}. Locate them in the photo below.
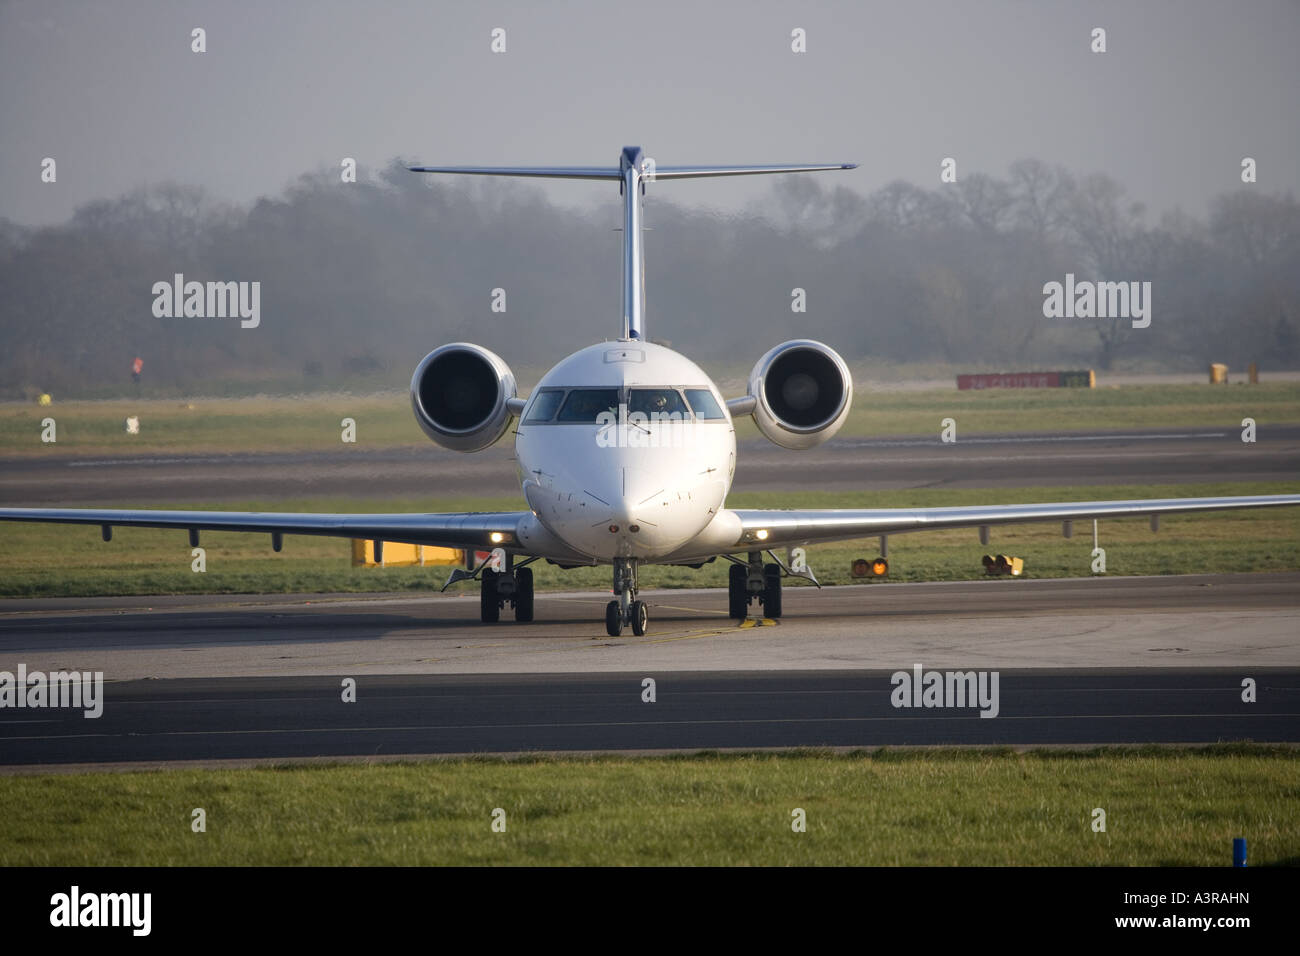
{"type": "Point", "coordinates": [1164, 807]}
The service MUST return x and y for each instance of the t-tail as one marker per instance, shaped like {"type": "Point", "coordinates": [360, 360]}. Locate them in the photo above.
{"type": "Point", "coordinates": [633, 171]}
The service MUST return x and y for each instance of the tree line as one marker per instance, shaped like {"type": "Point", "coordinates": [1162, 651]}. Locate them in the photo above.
{"type": "Point", "coordinates": [361, 279]}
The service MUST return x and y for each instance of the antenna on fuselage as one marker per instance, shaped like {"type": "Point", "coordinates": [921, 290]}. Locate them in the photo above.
{"type": "Point", "coordinates": [634, 170]}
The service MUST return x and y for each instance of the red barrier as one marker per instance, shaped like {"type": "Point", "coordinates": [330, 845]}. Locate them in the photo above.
{"type": "Point", "coordinates": [1081, 379]}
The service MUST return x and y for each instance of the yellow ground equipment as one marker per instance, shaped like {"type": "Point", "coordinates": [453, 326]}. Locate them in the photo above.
{"type": "Point", "coordinates": [393, 555]}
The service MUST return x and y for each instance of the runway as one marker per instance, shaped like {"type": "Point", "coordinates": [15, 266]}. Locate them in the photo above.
{"type": "Point", "coordinates": [262, 718]}
{"type": "Point", "coordinates": [1139, 456]}
{"type": "Point", "coordinates": [1106, 660]}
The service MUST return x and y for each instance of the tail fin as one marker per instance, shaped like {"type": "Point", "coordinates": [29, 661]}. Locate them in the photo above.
{"type": "Point", "coordinates": [634, 170]}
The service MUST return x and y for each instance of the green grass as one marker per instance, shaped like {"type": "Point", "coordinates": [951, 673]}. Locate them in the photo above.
{"type": "Point", "coordinates": [247, 425]}
{"type": "Point", "coordinates": [312, 423]}
{"type": "Point", "coordinates": [50, 560]}
{"type": "Point", "coordinates": [1164, 807]}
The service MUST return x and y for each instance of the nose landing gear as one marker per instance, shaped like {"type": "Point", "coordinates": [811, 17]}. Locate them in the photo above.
{"type": "Point", "coordinates": [626, 609]}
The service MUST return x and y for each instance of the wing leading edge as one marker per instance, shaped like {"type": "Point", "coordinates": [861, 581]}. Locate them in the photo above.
{"type": "Point", "coordinates": [453, 530]}
{"type": "Point", "coordinates": [802, 527]}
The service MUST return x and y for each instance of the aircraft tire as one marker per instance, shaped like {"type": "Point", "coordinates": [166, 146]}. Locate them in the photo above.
{"type": "Point", "coordinates": [772, 590]}
{"type": "Point", "coordinates": [489, 606]}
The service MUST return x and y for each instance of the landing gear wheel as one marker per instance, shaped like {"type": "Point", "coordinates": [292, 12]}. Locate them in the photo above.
{"type": "Point", "coordinates": [524, 595]}
{"type": "Point", "coordinates": [738, 592]}
{"type": "Point", "coordinates": [489, 602]}
{"type": "Point", "coordinates": [613, 619]}
{"type": "Point", "coordinates": [640, 618]}
{"type": "Point", "coordinates": [772, 590]}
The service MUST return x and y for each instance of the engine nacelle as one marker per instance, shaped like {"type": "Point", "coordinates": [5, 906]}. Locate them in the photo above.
{"type": "Point", "coordinates": [802, 391]}
{"type": "Point", "coordinates": [459, 394]}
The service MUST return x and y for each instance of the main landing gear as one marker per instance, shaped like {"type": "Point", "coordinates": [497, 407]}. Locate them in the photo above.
{"type": "Point", "coordinates": [625, 609]}
{"type": "Point", "coordinates": [754, 580]}
{"type": "Point", "coordinates": [513, 586]}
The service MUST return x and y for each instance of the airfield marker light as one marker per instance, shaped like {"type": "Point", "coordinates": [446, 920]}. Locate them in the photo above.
{"type": "Point", "coordinates": [1238, 851]}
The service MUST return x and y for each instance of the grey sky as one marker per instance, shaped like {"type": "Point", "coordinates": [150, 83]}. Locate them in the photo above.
{"type": "Point", "coordinates": [112, 92]}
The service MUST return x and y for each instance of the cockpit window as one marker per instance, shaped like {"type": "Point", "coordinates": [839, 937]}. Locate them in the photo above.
{"type": "Point", "coordinates": [545, 405]}
{"type": "Point", "coordinates": [584, 405]}
{"type": "Point", "coordinates": [705, 405]}
{"type": "Point", "coordinates": [657, 401]}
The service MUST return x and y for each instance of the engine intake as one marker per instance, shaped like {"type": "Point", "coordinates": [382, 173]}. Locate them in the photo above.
{"type": "Point", "coordinates": [459, 394]}
{"type": "Point", "coordinates": [803, 391]}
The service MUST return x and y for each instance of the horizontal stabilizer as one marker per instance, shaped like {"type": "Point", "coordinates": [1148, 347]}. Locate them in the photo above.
{"type": "Point", "coordinates": [652, 173]}
{"type": "Point", "coordinates": [699, 172]}
{"type": "Point", "coordinates": [544, 172]}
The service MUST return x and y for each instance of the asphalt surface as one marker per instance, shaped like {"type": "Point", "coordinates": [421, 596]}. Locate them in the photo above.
{"type": "Point", "coordinates": [1130, 623]}
{"type": "Point", "coordinates": [1090, 661]}
{"type": "Point", "coordinates": [1139, 456]}
{"type": "Point", "coordinates": [1101, 660]}
{"type": "Point", "coordinates": [251, 718]}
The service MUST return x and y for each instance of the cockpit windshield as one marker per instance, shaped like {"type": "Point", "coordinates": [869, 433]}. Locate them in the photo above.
{"type": "Point", "coordinates": [657, 401]}
{"type": "Point", "coordinates": [584, 405]}
{"type": "Point", "coordinates": [545, 405]}
{"type": "Point", "coordinates": [705, 405]}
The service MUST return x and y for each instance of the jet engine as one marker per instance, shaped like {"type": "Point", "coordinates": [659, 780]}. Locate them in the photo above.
{"type": "Point", "coordinates": [802, 391]}
{"type": "Point", "coordinates": [459, 393]}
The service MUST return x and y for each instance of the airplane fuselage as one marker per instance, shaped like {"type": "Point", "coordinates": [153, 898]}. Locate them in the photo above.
{"type": "Point", "coordinates": [626, 450]}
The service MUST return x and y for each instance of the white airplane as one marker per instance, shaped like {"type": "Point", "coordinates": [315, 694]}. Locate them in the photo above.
{"type": "Point", "coordinates": [626, 452]}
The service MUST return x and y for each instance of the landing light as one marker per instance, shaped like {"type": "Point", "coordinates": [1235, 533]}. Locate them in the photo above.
{"type": "Point", "coordinates": [761, 534]}
{"type": "Point", "coordinates": [496, 537]}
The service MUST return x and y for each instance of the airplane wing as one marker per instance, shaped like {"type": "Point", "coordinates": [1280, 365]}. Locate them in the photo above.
{"type": "Point", "coordinates": [767, 529]}
{"type": "Point", "coordinates": [470, 529]}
